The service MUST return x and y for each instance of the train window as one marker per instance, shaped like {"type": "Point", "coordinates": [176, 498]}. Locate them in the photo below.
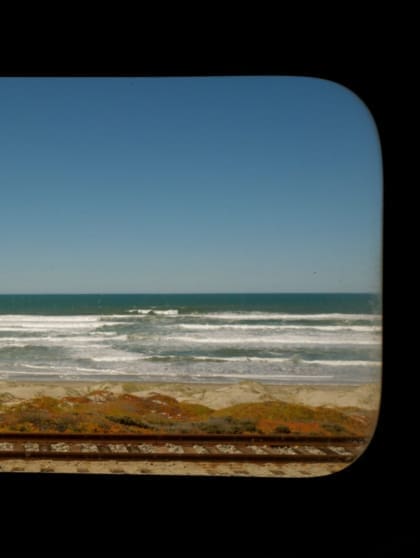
{"type": "Point", "coordinates": [191, 275]}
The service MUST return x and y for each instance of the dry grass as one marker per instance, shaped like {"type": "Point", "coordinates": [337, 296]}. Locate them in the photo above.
{"type": "Point", "coordinates": [102, 411]}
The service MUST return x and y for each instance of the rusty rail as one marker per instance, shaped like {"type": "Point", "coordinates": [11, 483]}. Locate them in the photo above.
{"type": "Point", "coordinates": [180, 447]}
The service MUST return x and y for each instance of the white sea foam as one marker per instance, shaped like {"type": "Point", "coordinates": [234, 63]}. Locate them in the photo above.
{"type": "Point", "coordinates": [122, 318]}
{"type": "Point", "coordinates": [73, 342]}
{"type": "Point", "coordinates": [242, 359]}
{"type": "Point", "coordinates": [122, 358]}
{"type": "Point", "coordinates": [48, 323]}
{"type": "Point", "coordinates": [277, 340]}
{"type": "Point", "coordinates": [24, 318]}
{"type": "Point", "coordinates": [153, 311]}
{"type": "Point", "coordinates": [272, 360]}
{"type": "Point", "coordinates": [338, 328]}
{"type": "Point", "coordinates": [14, 345]}
{"type": "Point", "coordinates": [282, 316]}
{"type": "Point", "coordinates": [36, 366]}
{"type": "Point", "coordinates": [105, 323]}
{"type": "Point", "coordinates": [166, 312]}
{"type": "Point", "coordinates": [44, 328]}
{"type": "Point", "coordinates": [57, 370]}
{"type": "Point", "coordinates": [344, 362]}
{"type": "Point", "coordinates": [7, 340]}
{"type": "Point", "coordinates": [71, 339]}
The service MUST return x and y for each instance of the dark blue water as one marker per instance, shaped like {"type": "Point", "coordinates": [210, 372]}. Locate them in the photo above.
{"type": "Point", "coordinates": [275, 338]}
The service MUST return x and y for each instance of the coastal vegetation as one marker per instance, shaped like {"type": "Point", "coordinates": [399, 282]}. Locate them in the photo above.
{"type": "Point", "coordinates": [103, 411]}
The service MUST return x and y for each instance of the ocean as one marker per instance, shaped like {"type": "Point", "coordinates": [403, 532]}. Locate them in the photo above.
{"type": "Point", "coordinates": [223, 338]}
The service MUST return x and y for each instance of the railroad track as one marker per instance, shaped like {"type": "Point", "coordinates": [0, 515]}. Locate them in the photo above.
{"type": "Point", "coordinates": [180, 447]}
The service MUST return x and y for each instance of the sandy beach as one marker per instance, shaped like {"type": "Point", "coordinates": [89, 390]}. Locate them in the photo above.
{"type": "Point", "coordinates": [216, 396]}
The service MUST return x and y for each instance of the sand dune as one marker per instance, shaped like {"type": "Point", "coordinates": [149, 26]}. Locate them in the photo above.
{"type": "Point", "coordinates": [215, 396]}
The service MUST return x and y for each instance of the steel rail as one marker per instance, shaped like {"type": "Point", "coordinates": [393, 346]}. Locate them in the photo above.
{"type": "Point", "coordinates": [206, 448]}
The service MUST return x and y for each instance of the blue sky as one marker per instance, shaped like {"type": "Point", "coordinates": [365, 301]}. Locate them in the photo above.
{"type": "Point", "coordinates": [226, 184]}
